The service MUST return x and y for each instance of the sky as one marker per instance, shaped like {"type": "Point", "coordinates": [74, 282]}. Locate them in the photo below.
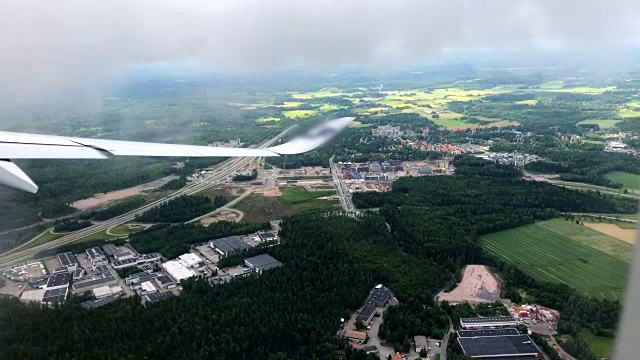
{"type": "Point", "coordinates": [51, 49]}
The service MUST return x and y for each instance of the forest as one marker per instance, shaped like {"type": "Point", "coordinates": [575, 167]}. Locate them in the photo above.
{"type": "Point", "coordinates": [68, 225]}
{"type": "Point", "coordinates": [180, 209]}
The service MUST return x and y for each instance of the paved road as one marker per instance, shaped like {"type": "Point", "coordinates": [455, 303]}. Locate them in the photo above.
{"type": "Point", "coordinates": [343, 192]}
{"type": "Point", "coordinates": [224, 169]}
{"type": "Point", "coordinates": [224, 207]}
{"type": "Point", "coordinates": [445, 341]}
{"type": "Point", "coordinates": [559, 349]}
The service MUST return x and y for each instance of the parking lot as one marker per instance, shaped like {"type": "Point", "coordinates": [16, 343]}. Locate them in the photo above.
{"type": "Point", "coordinates": [52, 264]}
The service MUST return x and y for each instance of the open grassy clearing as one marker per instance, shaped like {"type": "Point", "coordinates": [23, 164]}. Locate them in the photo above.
{"type": "Point", "coordinates": [628, 180]}
{"type": "Point", "coordinates": [562, 251]}
{"type": "Point", "coordinates": [603, 124]}
{"type": "Point", "coordinates": [602, 347]}
{"type": "Point", "coordinates": [301, 200]}
{"type": "Point", "coordinates": [257, 207]}
{"type": "Point", "coordinates": [290, 104]}
{"type": "Point", "coordinates": [558, 86]}
{"type": "Point", "coordinates": [627, 113]}
{"type": "Point", "coordinates": [267, 119]}
{"type": "Point", "coordinates": [297, 114]}
{"type": "Point", "coordinates": [527, 102]}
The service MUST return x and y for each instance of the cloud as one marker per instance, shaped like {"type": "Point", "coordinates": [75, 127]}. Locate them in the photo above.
{"type": "Point", "coordinates": [75, 46]}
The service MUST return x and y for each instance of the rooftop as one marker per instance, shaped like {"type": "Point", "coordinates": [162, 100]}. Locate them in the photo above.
{"type": "Point", "coordinates": [148, 286]}
{"type": "Point", "coordinates": [55, 296]}
{"type": "Point", "coordinates": [94, 253]}
{"type": "Point", "coordinates": [103, 278]}
{"type": "Point", "coordinates": [61, 279]}
{"type": "Point", "coordinates": [266, 235]}
{"type": "Point", "coordinates": [110, 249]}
{"type": "Point", "coordinates": [164, 280]}
{"type": "Point", "coordinates": [365, 313]}
{"type": "Point", "coordinates": [93, 304]}
{"type": "Point", "coordinates": [190, 259]}
{"type": "Point", "coordinates": [142, 276]}
{"type": "Point", "coordinates": [353, 334]}
{"type": "Point", "coordinates": [101, 268]}
{"type": "Point", "coordinates": [483, 333]}
{"type": "Point", "coordinates": [420, 341]}
{"type": "Point", "coordinates": [177, 270]}
{"type": "Point", "coordinates": [263, 262]}
{"type": "Point", "coordinates": [67, 259]}
{"type": "Point", "coordinates": [481, 320]}
{"type": "Point", "coordinates": [498, 346]}
{"type": "Point", "coordinates": [230, 244]}
{"type": "Point", "coordinates": [380, 294]}
{"type": "Point", "coordinates": [126, 262]}
{"type": "Point", "coordinates": [157, 296]}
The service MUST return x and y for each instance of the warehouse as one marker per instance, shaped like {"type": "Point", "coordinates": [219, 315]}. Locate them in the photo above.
{"type": "Point", "coordinates": [229, 245]}
{"type": "Point", "coordinates": [56, 296]}
{"type": "Point", "coordinates": [483, 333]}
{"type": "Point", "coordinates": [177, 271]}
{"type": "Point", "coordinates": [94, 304]}
{"type": "Point", "coordinates": [78, 274]}
{"type": "Point", "coordinates": [261, 263]}
{"type": "Point", "coordinates": [110, 249]}
{"type": "Point", "coordinates": [39, 282]}
{"type": "Point", "coordinates": [148, 258]}
{"type": "Point", "coordinates": [267, 236]}
{"type": "Point", "coordinates": [33, 295]}
{"type": "Point", "coordinates": [68, 261]}
{"type": "Point", "coordinates": [102, 279]}
{"type": "Point", "coordinates": [105, 291]}
{"type": "Point", "coordinates": [96, 257]}
{"type": "Point", "coordinates": [379, 296]}
{"type": "Point", "coordinates": [146, 268]}
{"type": "Point", "coordinates": [121, 264]}
{"type": "Point", "coordinates": [190, 260]}
{"type": "Point", "coordinates": [165, 282]}
{"type": "Point", "coordinates": [139, 277]}
{"type": "Point", "coordinates": [124, 255]}
{"type": "Point", "coordinates": [147, 287]}
{"type": "Point", "coordinates": [491, 347]}
{"type": "Point", "coordinates": [58, 281]}
{"type": "Point", "coordinates": [488, 322]}
{"type": "Point", "coordinates": [366, 314]}
{"type": "Point", "coordinates": [157, 296]}
{"type": "Point", "coordinates": [356, 336]}
{"type": "Point", "coordinates": [101, 268]}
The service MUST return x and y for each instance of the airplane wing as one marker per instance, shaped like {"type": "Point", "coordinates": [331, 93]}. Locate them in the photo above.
{"type": "Point", "coordinates": [33, 146]}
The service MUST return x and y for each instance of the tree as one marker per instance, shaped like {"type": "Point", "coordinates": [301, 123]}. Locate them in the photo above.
{"type": "Point", "coordinates": [423, 353]}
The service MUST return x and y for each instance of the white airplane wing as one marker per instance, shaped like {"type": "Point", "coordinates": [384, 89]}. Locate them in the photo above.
{"type": "Point", "coordinates": [33, 146]}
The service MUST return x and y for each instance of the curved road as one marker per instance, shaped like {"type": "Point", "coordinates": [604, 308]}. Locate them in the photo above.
{"type": "Point", "coordinates": [15, 257]}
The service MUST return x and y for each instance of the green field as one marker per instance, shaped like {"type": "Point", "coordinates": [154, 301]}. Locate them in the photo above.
{"type": "Point", "coordinates": [629, 181]}
{"type": "Point", "coordinates": [562, 251]}
{"type": "Point", "coordinates": [604, 124]}
{"type": "Point", "coordinates": [296, 114]}
{"type": "Point", "coordinates": [601, 346]}
{"type": "Point", "coordinates": [267, 119]}
{"type": "Point", "coordinates": [625, 113]}
{"type": "Point", "coordinates": [301, 200]}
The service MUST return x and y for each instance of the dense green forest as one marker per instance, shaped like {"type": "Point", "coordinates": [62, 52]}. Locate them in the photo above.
{"type": "Point", "coordinates": [180, 209]}
{"type": "Point", "coordinates": [68, 225]}
{"type": "Point", "coordinates": [117, 209]}
{"type": "Point", "coordinates": [174, 240]}
{"type": "Point", "coordinates": [293, 312]}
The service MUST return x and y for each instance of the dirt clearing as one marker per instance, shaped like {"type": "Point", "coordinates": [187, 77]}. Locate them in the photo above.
{"type": "Point", "coordinates": [101, 199]}
{"type": "Point", "coordinates": [613, 230]}
{"type": "Point", "coordinates": [478, 285]}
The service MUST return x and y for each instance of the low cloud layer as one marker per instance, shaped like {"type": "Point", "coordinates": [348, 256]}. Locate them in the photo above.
{"type": "Point", "coordinates": [49, 47]}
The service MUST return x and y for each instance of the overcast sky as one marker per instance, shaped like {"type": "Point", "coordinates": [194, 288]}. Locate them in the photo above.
{"type": "Point", "coordinates": [47, 46]}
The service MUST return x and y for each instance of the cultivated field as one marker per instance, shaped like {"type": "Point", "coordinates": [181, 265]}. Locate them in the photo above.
{"type": "Point", "coordinates": [603, 124]}
{"type": "Point", "coordinates": [613, 230]}
{"type": "Point", "coordinates": [477, 286]}
{"type": "Point", "coordinates": [629, 181]}
{"type": "Point", "coordinates": [562, 251]}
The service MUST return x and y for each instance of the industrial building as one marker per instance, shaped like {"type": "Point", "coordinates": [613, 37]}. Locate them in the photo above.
{"type": "Point", "coordinates": [58, 281]}
{"type": "Point", "coordinates": [121, 264]}
{"type": "Point", "coordinates": [146, 268]}
{"type": "Point", "coordinates": [229, 245]}
{"type": "Point", "coordinates": [148, 258]}
{"type": "Point", "coordinates": [267, 236]}
{"type": "Point", "coordinates": [96, 257]}
{"type": "Point", "coordinates": [105, 291]}
{"type": "Point", "coordinates": [165, 282]}
{"type": "Point", "coordinates": [147, 287]}
{"type": "Point", "coordinates": [68, 261]}
{"type": "Point", "coordinates": [491, 332]}
{"type": "Point", "coordinates": [177, 271]}
{"type": "Point", "coordinates": [157, 296]}
{"type": "Point", "coordinates": [379, 296]}
{"type": "Point", "coordinates": [139, 277]}
{"type": "Point", "coordinates": [101, 268]}
{"type": "Point", "coordinates": [55, 296]}
{"type": "Point", "coordinates": [94, 304]}
{"type": "Point", "coordinates": [39, 282]}
{"type": "Point", "coordinates": [491, 347]}
{"type": "Point", "coordinates": [356, 336]}
{"type": "Point", "coordinates": [110, 249]}
{"type": "Point", "coordinates": [488, 322]}
{"type": "Point", "coordinates": [103, 279]}
{"type": "Point", "coordinates": [78, 274]}
{"type": "Point", "coordinates": [261, 263]}
{"type": "Point", "coordinates": [366, 314]}
{"type": "Point", "coordinates": [32, 295]}
{"type": "Point", "coordinates": [124, 255]}
{"type": "Point", "coordinates": [190, 260]}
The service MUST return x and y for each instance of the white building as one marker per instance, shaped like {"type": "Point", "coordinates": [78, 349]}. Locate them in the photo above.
{"type": "Point", "coordinates": [148, 288]}
{"type": "Point", "coordinates": [177, 271]}
{"type": "Point", "coordinates": [190, 260]}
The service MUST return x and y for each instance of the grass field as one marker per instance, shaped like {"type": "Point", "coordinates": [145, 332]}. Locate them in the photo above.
{"type": "Point", "coordinates": [301, 200]}
{"type": "Point", "coordinates": [601, 346]}
{"type": "Point", "coordinates": [527, 102]}
{"type": "Point", "coordinates": [562, 251]}
{"type": "Point", "coordinates": [629, 181]}
{"type": "Point", "coordinates": [296, 114]}
{"type": "Point", "coordinates": [267, 119]}
{"type": "Point", "coordinates": [604, 124]}
{"type": "Point", "coordinates": [625, 113]}
{"type": "Point", "coordinates": [260, 208]}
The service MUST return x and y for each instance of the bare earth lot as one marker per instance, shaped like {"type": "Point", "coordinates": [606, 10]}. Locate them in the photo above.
{"type": "Point", "coordinates": [478, 285]}
{"type": "Point", "coordinates": [613, 230]}
{"type": "Point", "coordinates": [101, 199]}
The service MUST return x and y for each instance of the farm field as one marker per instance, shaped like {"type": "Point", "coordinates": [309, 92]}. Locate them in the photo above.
{"type": "Point", "coordinates": [267, 119]}
{"type": "Point", "coordinates": [301, 200]}
{"type": "Point", "coordinates": [601, 346]}
{"type": "Point", "coordinates": [625, 113]}
{"type": "Point", "coordinates": [628, 180]}
{"type": "Point", "coordinates": [296, 114]}
{"type": "Point", "coordinates": [562, 251]}
{"type": "Point", "coordinates": [603, 124]}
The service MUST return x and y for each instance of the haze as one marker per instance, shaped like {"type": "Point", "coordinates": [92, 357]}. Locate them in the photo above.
{"type": "Point", "coordinates": [51, 48]}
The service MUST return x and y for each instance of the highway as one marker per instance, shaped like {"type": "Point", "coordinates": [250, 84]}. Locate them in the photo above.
{"type": "Point", "coordinates": [15, 257]}
{"type": "Point", "coordinates": [343, 192]}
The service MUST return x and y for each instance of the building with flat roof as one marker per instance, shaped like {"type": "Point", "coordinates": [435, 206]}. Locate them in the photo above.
{"type": "Point", "coordinates": [55, 296]}
{"type": "Point", "coordinates": [491, 347]}
{"type": "Point", "coordinates": [101, 268]}
{"type": "Point", "coordinates": [420, 343]}
{"type": "Point", "coordinates": [68, 261]}
{"type": "Point", "coordinates": [96, 256]}
{"type": "Point", "coordinates": [32, 295]}
{"type": "Point", "coordinates": [94, 304]}
{"type": "Point", "coordinates": [121, 264]}
{"type": "Point", "coordinates": [379, 296]}
{"type": "Point", "coordinates": [147, 287]}
{"type": "Point", "coordinates": [366, 314]}
{"type": "Point", "coordinates": [110, 249]}
{"type": "Point", "coordinates": [177, 271]}
{"type": "Point", "coordinates": [356, 336]}
{"type": "Point", "coordinates": [190, 260]}
{"type": "Point", "coordinates": [488, 322]}
{"type": "Point", "coordinates": [229, 245]}
{"type": "Point", "coordinates": [139, 277]}
{"type": "Point", "coordinates": [148, 258]}
{"type": "Point", "coordinates": [165, 281]}
{"type": "Point", "coordinates": [146, 267]}
{"type": "Point", "coordinates": [78, 274]}
{"type": "Point", "coordinates": [261, 263]}
{"type": "Point", "coordinates": [267, 236]}
{"type": "Point", "coordinates": [489, 332]}
{"type": "Point", "coordinates": [103, 279]}
{"type": "Point", "coordinates": [124, 255]}
{"type": "Point", "coordinates": [58, 281]}
{"type": "Point", "coordinates": [39, 282]}
{"type": "Point", "coordinates": [157, 296]}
